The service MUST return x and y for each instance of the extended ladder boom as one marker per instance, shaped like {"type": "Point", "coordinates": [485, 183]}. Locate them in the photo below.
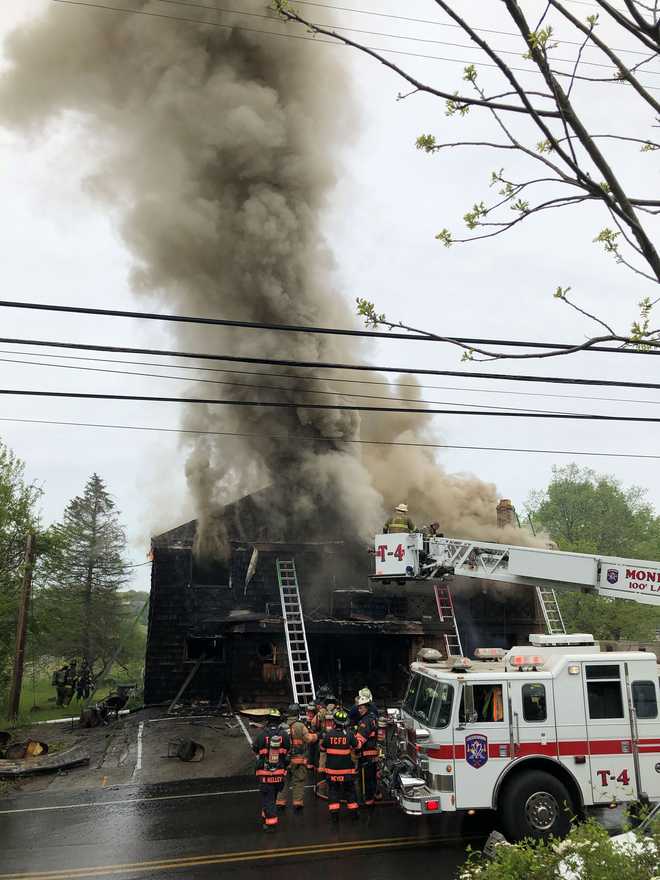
{"type": "Point", "coordinates": [401, 557]}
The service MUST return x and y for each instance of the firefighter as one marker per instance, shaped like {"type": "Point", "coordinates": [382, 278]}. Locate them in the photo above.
{"type": "Point", "coordinates": [313, 747]}
{"type": "Point", "coordinates": [339, 746]}
{"type": "Point", "coordinates": [85, 681]}
{"type": "Point", "coordinates": [432, 530]}
{"type": "Point", "coordinates": [400, 522]}
{"type": "Point", "coordinates": [354, 714]}
{"type": "Point", "coordinates": [493, 708]}
{"type": "Point", "coordinates": [272, 748]}
{"type": "Point", "coordinates": [301, 737]}
{"type": "Point", "coordinates": [366, 733]}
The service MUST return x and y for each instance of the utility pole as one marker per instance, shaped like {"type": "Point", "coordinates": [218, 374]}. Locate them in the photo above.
{"type": "Point", "coordinates": [21, 628]}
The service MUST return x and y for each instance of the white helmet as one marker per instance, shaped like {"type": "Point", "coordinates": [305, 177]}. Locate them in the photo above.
{"type": "Point", "coordinates": [401, 508]}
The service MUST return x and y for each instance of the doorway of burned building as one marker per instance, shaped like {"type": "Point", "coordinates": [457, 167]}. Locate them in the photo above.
{"type": "Point", "coordinates": [348, 662]}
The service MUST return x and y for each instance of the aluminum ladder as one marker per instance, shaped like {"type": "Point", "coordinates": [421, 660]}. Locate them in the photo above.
{"type": "Point", "coordinates": [300, 668]}
{"type": "Point", "coordinates": [446, 614]}
{"type": "Point", "coordinates": [547, 599]}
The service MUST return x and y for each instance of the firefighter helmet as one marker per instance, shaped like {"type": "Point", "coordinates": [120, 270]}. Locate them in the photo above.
{"type": "Point", "coordinates": [401, 508]}
{"type": "Point", "coordinates": [293, 711]}
{"type": "Point", "coordinates": [274, 715]}
{"type": "Point", "coordinates": [340, 717]}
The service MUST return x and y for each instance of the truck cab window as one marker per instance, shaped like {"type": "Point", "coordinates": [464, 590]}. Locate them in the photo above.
{"type": "Point", "coordinates": [488, 704]}
{"type": "Point", "coordinates": [534, 702]}
{"type": "Point", "coordinates": [644, 699]}
{"type": "Point", "coordinates": [429, 701]}
{"type": "Point", "coordinates": [604, 691]}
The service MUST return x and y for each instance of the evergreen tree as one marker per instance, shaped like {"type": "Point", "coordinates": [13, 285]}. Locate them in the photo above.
{"type": "Point", "coordinates": [82, 607]}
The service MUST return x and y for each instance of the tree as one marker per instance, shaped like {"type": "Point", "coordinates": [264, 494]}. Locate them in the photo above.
{"type": "Point", "coordinates": [81, 607]}
{"type": "Point", "coordinates": [549, 129]}
{"type": "Point", "coordinates": [18, 516]}
{"type": "Point", "coordinates": [586, 512]}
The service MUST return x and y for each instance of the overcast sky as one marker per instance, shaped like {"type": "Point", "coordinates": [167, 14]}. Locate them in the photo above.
{"type": "Point", "coordinates": [58, 245]}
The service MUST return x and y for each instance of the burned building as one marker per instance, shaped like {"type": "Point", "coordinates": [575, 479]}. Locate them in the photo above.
{"type": "Point", "coordinates": [223, 618]}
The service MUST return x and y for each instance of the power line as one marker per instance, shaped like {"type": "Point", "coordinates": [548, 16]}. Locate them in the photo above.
{"type": "Point", "coordinates": [315, 39]}
{"type": "Point", "coordinates": [416, 385]}
{"type": "Point", "coordinates": [321, 365]}
{"type": "Point", "coordinates": [444, 24]}
{"type": "Point", "coordinates": [266, 387]}
{"type": "Point", "coordinates": [303, 328]}
{"type": "Point", "coordinates": [343, 407]}
{"type": "Point", "coordinates": [310, 439]}
{"type": "Point", "coordinates": [354, 30]}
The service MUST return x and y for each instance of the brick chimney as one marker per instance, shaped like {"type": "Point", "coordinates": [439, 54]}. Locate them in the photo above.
{"type": "Point", "coordinates": [506, 513]}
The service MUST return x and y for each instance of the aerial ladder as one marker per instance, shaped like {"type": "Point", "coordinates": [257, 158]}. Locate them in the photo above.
{"type": "Point", "coordinates": [300, 667]}
{"type": "Point", "coordinates": [410, 557]}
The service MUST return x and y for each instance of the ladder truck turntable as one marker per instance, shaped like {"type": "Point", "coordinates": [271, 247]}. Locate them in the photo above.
{"type": "Point", "coordinates": [536, 732]}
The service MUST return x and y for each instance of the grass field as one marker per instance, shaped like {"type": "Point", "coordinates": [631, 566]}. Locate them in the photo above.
{"type": "Point", "coordinates": [38, 696]}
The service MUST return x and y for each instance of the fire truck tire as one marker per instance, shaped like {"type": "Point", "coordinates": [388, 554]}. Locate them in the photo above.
{"type": "Point", "coordinates": [535, 804]}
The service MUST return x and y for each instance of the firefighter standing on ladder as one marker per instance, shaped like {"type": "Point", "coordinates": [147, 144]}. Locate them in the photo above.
{"type": "Point", "coordinates": [339, 746]}
{"type": "Point", "coordinates": [272, 748]}
{"type": "Point", "coordinates": [400, 522]}
{"type": "Point", "coordinates": [301, 737]}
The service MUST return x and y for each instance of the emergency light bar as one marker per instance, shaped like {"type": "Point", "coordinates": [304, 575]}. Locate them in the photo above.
{"type": "Point", "coordinates": [543, 640]}
{"type": "Point", "coordinates": [489, 653]}
{"type": "Point", "coordinates": [459, 663]}
{"type": "Point", "coordinates": [526, 662]}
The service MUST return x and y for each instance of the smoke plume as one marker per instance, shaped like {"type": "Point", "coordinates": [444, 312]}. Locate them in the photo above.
{"type": "Point", "coordinates": [215, 150]}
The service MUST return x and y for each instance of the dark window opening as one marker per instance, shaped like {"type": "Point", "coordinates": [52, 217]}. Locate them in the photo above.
{"type": "Point", "coordinates": [429, 701]}
{"type": "Point", "coordinates": [265, 651]}
{"type": "Point", "coordinates": [211, 650]}
{"type": "Point", "coordinates": [210, 573]}
{"type": "Point", "coordinates": [534, 702]}
{"type": "Point", "coordinates": [604, 691]}
{"type": "Point", "coordinates": [644, 699]}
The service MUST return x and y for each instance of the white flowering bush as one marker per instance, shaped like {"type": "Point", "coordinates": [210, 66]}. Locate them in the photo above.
{"type": "Point", "coordinates": [587, 853]}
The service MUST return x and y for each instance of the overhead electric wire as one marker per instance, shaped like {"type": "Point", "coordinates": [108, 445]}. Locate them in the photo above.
{"type": "Point", "coordinates": [490, 391]}
{"type": "Point", "coordinates": [270, 387]}
{"type": "Point", "coordinates": [314, 439]}
{"type": "Point", "coordinates": [369, 33]}
{"type": "Point", "coordinates": [324, 365]}
{"type": "Point", "coordinates": [343, 407]}
{"type": "Point", "coordinates": [303, 328]}
{"type": "Point", "coordinates": [288, 35]}
{"type": "Point", "coordinates": [444, 24]}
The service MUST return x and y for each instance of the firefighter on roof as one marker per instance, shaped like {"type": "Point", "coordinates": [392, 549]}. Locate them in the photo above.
{"type": "Point", "coordinates": [301, 737]}
{"type": "Point", "coordinates": [339, 746]}
{"type": "Point", "coordinates": [366, 733]}
{"type": "Point", "coordinates": [272, 748]}
{"type": "Point", "coordinates": [400, 522]}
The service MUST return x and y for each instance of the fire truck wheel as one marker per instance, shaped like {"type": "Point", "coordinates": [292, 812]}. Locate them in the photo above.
{"type": "Point", "coordinates": [535, 804]}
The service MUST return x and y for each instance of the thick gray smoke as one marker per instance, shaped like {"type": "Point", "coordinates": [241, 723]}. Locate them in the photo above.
{"type": "Point", "coordinates": [216, 152]}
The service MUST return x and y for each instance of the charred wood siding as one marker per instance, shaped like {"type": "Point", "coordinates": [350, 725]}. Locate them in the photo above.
{"type": "Point", "coordinates": [170, 576]}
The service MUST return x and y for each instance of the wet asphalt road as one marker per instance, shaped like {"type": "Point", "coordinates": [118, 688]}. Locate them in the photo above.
{"type": "Point", "coordinates": [201, 830]}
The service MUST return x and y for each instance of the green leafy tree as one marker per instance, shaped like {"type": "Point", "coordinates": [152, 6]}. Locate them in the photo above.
{"type": "Point", "coordinates": [18, 516]}
{"type": "Point", "coordinates": [81, 608]}
{"type": "Point", "coordinates": [586, 512]}
{"type": "Point", "coordinates": [549, 155]}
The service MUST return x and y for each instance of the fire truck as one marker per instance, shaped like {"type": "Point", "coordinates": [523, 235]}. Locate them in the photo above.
{"type": "Point", "coordinates": [539, 732]}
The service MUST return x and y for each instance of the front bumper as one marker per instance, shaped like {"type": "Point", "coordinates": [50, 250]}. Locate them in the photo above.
{"type": "Point", "coordinates": [420, 800]}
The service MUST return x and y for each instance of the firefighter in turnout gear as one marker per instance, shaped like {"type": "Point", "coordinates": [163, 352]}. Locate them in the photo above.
{"type": "Point", "coordinates": [339, 746]}
{"type": "Point", "coordinates": [272, 748]}
{"type": "Point", "coordinates": [366, 733]}
{"type": "Point", "coordinates": [301, 738]}
{"type": "Point", "coordinates": [400, 522]}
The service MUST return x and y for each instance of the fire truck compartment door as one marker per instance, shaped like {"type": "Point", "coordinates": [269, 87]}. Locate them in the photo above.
{"type": "Point", "coordinates": [481, 747]}
{"type": "Point", "coordinates": [609, 731]}
{"type": "Point", "coordinates": [532, 706]}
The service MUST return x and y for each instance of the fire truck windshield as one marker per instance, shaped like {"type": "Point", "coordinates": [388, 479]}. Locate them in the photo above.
{"type": "Point", "coordinates": [429, 701]}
